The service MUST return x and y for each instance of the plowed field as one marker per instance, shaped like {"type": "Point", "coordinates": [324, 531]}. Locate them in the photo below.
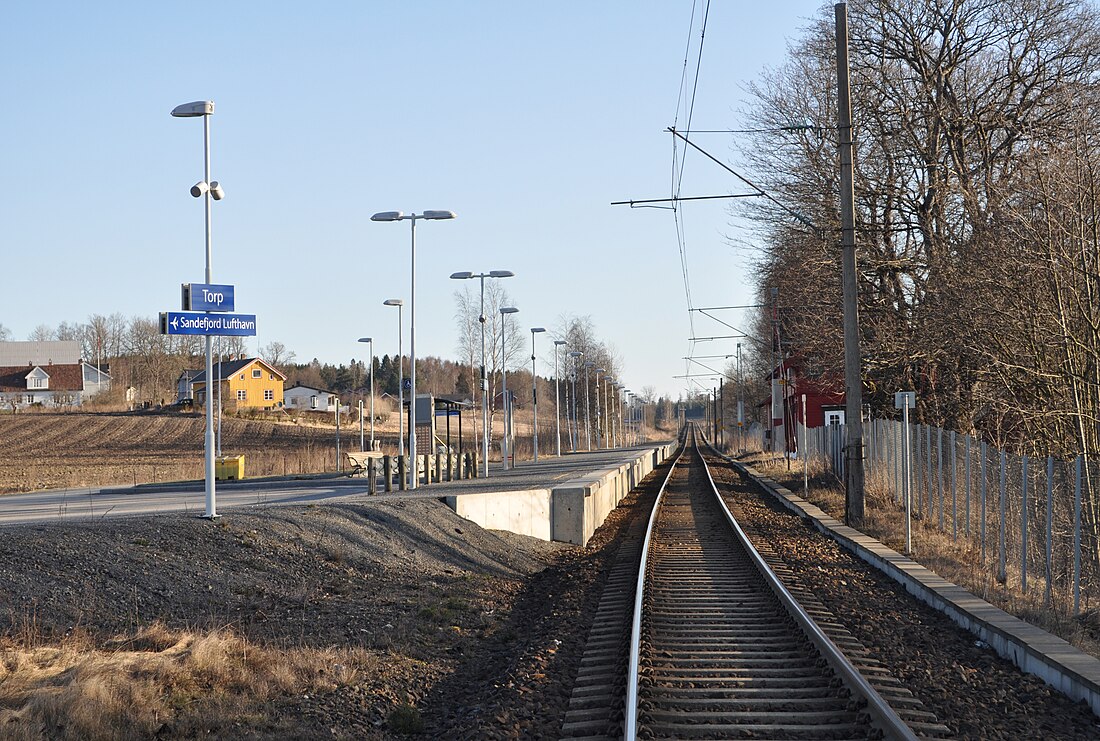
{"type": "Point", "coordinates": [47, 451]}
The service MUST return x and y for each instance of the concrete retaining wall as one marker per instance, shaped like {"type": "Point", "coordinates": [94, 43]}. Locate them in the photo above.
{"type": "Point", "coordinates": [523, 512]}
{"type": "Point", "coordinates": [569, 512]}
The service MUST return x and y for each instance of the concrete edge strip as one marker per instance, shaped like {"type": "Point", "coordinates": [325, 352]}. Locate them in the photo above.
{"type": "Point", "coordinates": [1032, 649]}
{"type": "Point", "coordinates": [602, 475]}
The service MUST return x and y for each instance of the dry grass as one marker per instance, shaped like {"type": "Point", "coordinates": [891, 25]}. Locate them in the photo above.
{"type": "Point", "coordinates": [959, 560]}
{"type": "Point", "coordinates": [133, 687]}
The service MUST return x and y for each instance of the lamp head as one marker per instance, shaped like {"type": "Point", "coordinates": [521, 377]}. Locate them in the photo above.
{"type": "Point", "coordinates": [535, 330]}
{"type": "Point", "coordinates": [508, 310]}
{"type": "Point", "coordinates": [393, 302]}
{"type": "Point", "coordinates": [388, 216]}
{"type": "Point", "coordinates": [199, 189]}
{"type": "Point", "coordinates": [366, 339]}
{"type": "Point", "coordinates": [501, 274]}
{"type": "Point", "coordinates": [560, 342]}
{"type": "Point", "coordinates": [601, 370]}
{"type": "Point", "coordinates": [191, 110]}
{"type": "Point", "coordinates": [465, 274]}
{"type": "Point", "coordinates": [216, 191]}
{"type": "Point", "coordinates": [575, 354]}
{"type": "Point", "coordinates": [437, 215]}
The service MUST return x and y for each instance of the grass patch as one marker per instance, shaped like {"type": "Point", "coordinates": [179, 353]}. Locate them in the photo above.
{"type": "Point", "coordinates": [136, 686]}
{"type": "Point", "coordinates": [405, 719]}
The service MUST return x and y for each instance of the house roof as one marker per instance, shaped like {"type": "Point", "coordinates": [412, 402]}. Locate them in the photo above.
{"type": "Point", "coordinates": [455, 399]}
{"type": "Point", "coordinates": [301, 386]}
{"type": "Point", "coordinates": [224, 370]}
{"type": "Point", "coordinates": [58, 352]}
{"type": "Point", "coordinates": [67, 377]}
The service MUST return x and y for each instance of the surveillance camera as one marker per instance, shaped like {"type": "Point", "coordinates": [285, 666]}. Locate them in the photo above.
{"type": "Point", "coordinates": [216, 191]}
{"type": "Point", "coordinates": [199, 188]}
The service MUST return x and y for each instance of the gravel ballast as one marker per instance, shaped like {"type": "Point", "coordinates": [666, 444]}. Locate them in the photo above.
{"type": "Point", "coordinates": [963, 681]}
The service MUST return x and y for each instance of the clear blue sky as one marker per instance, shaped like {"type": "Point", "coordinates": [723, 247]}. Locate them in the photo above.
{"type": "Point", "coordinates": [526, 119]}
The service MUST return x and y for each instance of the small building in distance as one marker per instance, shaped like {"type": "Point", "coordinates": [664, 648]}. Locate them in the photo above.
{"type": "Point", "coordinates": [824, 394]}
{"type": "Point", "coordinates": [49, 374]}
{"type": "Point", "coordinates": [185, 385]}
{"type": "Point", "coordinates": [248, 383]}
{"type": "Point", "coordinates": [308, 399]}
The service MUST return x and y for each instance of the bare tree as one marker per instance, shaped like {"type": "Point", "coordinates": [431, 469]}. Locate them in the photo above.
{"type": "Point", "coordinates": [41, 333]}
{"type": "Point", "coordinates": [467, 313]}
{"type": "Point", "coordinates": [277, 354]}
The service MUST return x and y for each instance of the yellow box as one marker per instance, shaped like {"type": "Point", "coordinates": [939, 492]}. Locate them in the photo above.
{"type": "Point", "coordinates": [229, 467]}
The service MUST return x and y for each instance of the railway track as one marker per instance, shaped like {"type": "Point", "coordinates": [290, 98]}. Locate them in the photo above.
{"type": "Point", "coordinates": [719, 647]}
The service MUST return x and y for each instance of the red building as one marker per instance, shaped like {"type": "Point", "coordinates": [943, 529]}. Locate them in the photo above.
{"type": "Point", "coordinates": [824, 401]}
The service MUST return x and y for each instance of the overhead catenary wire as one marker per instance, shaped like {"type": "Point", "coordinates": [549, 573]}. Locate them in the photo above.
{"type": "Point", "coordinates": [678, 159]}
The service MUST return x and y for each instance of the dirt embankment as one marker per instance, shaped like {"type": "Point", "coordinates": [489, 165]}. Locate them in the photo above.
{"type": "Point", "coordinates": [362, 621]}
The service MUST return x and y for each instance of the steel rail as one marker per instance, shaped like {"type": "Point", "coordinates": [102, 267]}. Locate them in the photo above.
{"type": "Point", "coordinates": [882, 715]}
{"type": "Point", "coordinates": [631, 719]}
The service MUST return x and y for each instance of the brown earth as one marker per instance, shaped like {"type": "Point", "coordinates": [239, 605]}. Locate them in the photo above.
{"type": "Point", "coordinates": [91, 449]}
{"type": "Point", "coordinates": [72, 450]}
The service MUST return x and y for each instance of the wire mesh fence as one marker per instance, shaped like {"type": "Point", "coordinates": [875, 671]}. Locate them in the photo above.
{"type": "Point", "coordinates": [1028, 519]}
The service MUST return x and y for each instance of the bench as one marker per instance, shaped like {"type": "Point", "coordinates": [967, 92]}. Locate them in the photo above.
{"type": "Point", "coordinates": [358, 460]}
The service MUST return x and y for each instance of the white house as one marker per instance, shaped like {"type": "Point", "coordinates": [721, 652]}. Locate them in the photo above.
{"type": "Point", "coordinates": [47, 374]}
{"type": "Point", "coordinates": [309, 399]}
{"type": "Point", "coordinates": [185, 384]}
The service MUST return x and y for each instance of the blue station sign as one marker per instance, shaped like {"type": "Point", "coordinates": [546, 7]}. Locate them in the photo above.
{"type": "Point", "coordinates": [213, 325]}
{"type": "Point", "coordinates": [207, 297]}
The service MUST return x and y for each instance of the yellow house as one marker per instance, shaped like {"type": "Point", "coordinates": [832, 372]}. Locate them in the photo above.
{"type": "Point", "coordinates": [250, 383]}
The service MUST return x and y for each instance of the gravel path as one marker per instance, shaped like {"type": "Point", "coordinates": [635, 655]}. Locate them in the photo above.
{"type": "Point", "coordinates": [969, 688]}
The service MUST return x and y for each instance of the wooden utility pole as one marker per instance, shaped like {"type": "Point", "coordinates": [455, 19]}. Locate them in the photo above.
{"type": "Point", "coordinates": [853, 384]}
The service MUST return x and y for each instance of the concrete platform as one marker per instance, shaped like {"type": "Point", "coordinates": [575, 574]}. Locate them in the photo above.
{"type": "Point", "coordinates": [1035, 651]}
{"type": "Point", "coordinates": [589, 485]}
{"type": "Point", "coordinates": [563, 499]}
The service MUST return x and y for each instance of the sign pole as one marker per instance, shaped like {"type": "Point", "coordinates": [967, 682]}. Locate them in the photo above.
{"type": "Point", "coordinates": [805, 454]}
{"type": "Point", "coordinates": [211, 507]}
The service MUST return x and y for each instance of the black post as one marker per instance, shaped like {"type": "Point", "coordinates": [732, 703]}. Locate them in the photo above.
{"type": "Point", "coordinates": [714, 393]}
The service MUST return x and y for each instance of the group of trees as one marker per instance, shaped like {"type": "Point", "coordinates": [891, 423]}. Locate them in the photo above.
{"type": "Point", "coordinates": [978, 212]}
{"type": "Point", "coordinates": [140, 356]}
{"type": "Point", "coordinates": [507, 344]}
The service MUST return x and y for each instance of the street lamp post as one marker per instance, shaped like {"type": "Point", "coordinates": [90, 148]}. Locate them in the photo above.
{"type": "Point", "coordinates": [617, 410]}
{"type": "Point", "coordinates": [206, 189]}
{"type": "Point", "coordinates": [505, 443]}
{"type": "Point", "coordinates": [400, 378]}
{"type": "Point", "coordinates": [371, 341]}
{"type": "Point", "coordinates": [610, 404]}
{"type": "Point", "coordinates": [601, 440]}
{"type": "Point", "coordinates": [557, 394]}
{"type": "Point", "coordinates": [574, 437]}
{"type": "Point", "coordinates": [587, 407]}
{"type": "Point", "coordinates": [535, 393]}
{"type": "Point", "coordinates": [466, 275]}
{"type": "Point", "coordinates": [626, 426]}
{"type": "Point", "coordinates": [412, 219]}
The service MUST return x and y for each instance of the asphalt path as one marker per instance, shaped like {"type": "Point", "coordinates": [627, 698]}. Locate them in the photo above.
{"type": "Point", "coordinates": [189, 498]}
